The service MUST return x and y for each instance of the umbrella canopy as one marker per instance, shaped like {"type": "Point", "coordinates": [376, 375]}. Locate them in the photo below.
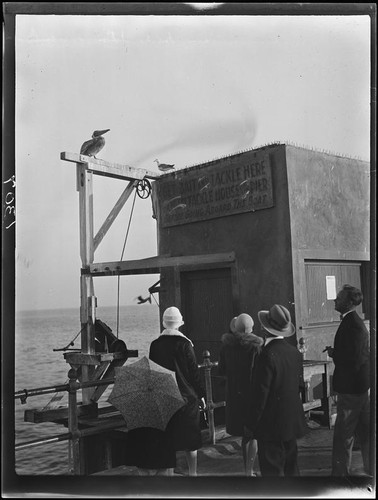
{"type": "Point", "coordinates": [146, 394]}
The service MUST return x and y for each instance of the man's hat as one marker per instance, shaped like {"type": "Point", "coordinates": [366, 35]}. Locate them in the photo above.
{"type": "Point", "coordinates": [277, 321]}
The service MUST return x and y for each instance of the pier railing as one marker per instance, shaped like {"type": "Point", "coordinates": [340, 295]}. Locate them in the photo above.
{"type": "Point", "coordinates": [74, 434]}
{"type": "Point", "coordinates": [207, 366]}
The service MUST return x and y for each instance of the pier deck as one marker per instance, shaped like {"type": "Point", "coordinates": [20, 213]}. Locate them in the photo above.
{"type": "Point", "coordinates": [225, 457]}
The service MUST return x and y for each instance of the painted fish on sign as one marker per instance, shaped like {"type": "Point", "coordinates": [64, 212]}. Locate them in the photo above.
{"type": "Point", "coordinates": [237, 184]}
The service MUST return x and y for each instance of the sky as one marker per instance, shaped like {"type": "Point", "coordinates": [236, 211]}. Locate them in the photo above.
{"type": "Point", "coordinates": [183, 89]}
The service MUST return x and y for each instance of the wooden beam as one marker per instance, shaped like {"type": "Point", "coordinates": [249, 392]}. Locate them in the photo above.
{"type": "Point", "coordinates": [58, 414]}
{"type": "Point", "coordinates": [116, 170]}
{"type": "Point", "coordinates": [81, 358]}
{"type": "Point", "coordinates": [87, 299]}
{"type": "Point", "coordinates": [85, 215]}
{"type": "Point", "coordinates": [113, 214]}
{"type": "Point", "coordinates": [153, 265]}
{"type": "Point", "coordinates": [109, 374]}
{"type": "Point", "coordinates": [315, 403]}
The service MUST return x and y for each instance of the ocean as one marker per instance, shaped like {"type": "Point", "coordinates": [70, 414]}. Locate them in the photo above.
{"type": "Point", "coordinates": [37, 333]}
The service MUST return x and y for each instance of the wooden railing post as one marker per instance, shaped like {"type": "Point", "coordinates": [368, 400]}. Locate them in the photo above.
{"type": "Point", "coordinates": [326, 400]}
{"type": "Point", "coordinates": [73, 426]}
{"type": "Point", "coordinates": [207, 365]}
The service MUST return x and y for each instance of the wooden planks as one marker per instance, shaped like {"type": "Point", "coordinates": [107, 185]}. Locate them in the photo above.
{"type": "Point", "coordinates": [153, 265]}
{"type": "Point", "coordinates": [116, 170]}
{"type": "Point", "coordinates": [58, 414]}
{"type": "Point", "coordinates": [311, 368]}
{"type": "Point", "coordinates": [80, 358]}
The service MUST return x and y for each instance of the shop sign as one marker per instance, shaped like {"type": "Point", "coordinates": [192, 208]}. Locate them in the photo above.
{"type": "Point", "coordinates": [229, 186]}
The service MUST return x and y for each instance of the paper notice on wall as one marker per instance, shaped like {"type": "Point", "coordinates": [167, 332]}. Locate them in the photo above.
{"type": "Point", "coordinates": [331, 287]}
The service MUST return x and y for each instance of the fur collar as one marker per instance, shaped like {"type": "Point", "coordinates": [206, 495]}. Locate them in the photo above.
{"type": "Point", "coordinates": [175, 333]}
{"type": "Point", "coordinates": [246, 340]}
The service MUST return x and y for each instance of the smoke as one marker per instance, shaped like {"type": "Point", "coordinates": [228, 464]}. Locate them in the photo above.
{"type": "Point", "coordinates": [223, 136]}
{"type": "Point", "coordinates": [23, 261]}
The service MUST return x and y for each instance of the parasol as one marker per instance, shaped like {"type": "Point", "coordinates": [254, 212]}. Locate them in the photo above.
{"type": "Point", "coordinates": [146, 394]}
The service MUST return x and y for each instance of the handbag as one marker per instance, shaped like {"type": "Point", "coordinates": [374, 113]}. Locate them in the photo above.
{"type": "Point", "coordinates": [204, 423]}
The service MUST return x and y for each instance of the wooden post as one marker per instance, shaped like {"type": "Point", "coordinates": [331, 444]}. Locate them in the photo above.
{"type": "Point", "coordinates": [209, 394]}
{"type": "Point", "coordinates": [73, 422]}
{"type": "Point", "coordinates": [307, 390]}
{"type": "Point", "coordinates": [108, 454]}
{"type": "Point", "coordinates": [88, 300]}
{"type": "Point", "coordinates": [85, 187]}
{"type": "Point", "coordinates": [207, 365]}
{"type": "Point", "coordinates": [326, 403]}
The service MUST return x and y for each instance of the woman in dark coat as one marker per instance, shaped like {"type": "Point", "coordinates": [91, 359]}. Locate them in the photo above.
{"type": "Point", "coordinates": [151, 451]}
{"type": "Point", "coordinates": [237, 357]}
{"type": "Point", "coordinates": [174, 351]}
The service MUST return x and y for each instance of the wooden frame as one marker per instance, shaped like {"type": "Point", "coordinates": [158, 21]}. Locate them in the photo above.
{"type": "Point", "coordinates": [108, 169]}
{"type": "Point", "coordinates": [153, 265]}
{"type": "Point", "coordinates": [299, 276]}
{"type": "Point", "coordinates": [88, 360]}
{"type": "Point", "coordinates": [86, 167]}
{"type": "Point", "coordinates": [311, 368]}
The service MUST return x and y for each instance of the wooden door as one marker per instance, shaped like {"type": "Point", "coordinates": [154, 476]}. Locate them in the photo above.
{"type": "Point", "coordinates": [206, 298]}
{"type": "Point", "coordinates": [207, 308]}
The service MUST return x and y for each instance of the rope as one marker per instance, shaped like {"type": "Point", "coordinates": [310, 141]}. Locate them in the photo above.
{"type": "Point", "coordinates": [155, 299]}
{"type": "Point", "coordinates": [66, 348]}
{"type": "Point", "coordinates": [123, 250]}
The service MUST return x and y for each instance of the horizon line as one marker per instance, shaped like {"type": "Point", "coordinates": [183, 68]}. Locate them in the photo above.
{"type": "Point", "coordinates": [76, 307]}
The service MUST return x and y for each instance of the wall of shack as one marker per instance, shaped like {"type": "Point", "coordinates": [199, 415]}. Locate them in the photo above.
{"type": "Point", "coordinates": [260, 238]}
{"type": "Point", "coordinates": [329, 214]}
{"type": "Point", "coordinates": [320, 211]}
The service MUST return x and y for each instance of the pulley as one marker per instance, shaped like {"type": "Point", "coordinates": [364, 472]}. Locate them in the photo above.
{"type": "Point", "coordinates": [143, 188]}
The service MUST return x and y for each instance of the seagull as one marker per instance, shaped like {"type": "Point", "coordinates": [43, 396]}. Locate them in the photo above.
{"type": "Point", "coordinates": [94, 145]}
{"type": "Point", "coordinates": [164, 167]}
{"type": "Point", "coordinates": [141, 300]}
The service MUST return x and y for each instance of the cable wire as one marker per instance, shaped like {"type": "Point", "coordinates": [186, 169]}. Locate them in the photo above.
{"type": "Point", "coordinates": [155, 300]}
{"type": "Point", "coordinates": [123, 250]}
{"type": "Point", "coordinates": [66, 348]}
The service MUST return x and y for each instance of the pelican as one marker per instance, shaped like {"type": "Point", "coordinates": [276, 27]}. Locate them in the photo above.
{"type": "Point", "coordinates": [94, 145]}
{"type": "Point", "coordinates": [164, 167]}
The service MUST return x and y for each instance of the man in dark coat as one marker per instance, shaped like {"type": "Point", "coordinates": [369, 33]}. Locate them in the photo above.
{"type": "Point", "coordinates": [351, 382]}
{"type": "Point", "coordinates": [276, 417]}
